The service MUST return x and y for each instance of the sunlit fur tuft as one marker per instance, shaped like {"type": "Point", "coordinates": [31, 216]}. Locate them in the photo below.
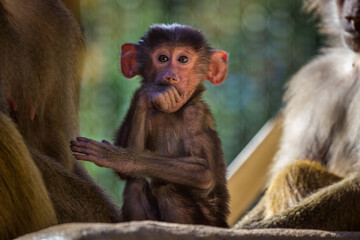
{"type": "Point", "coordinates": [329, 25]}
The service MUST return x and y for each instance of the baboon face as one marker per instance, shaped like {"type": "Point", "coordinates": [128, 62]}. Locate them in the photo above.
{"type": "Point", "coordinates": [349, 13]}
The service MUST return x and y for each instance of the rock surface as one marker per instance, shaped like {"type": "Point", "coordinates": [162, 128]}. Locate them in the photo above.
{"type": "Point", "coordinates": [147, 230]}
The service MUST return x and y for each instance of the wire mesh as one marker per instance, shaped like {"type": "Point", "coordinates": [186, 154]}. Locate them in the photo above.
{"type": "Point", "coordinates": [268, 41]}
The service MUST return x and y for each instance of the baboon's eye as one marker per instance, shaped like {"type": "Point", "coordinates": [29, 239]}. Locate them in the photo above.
{"type": "Point", "coordinates": [163, 58]}
{"type": "Point", "coordinates": [183, 59]}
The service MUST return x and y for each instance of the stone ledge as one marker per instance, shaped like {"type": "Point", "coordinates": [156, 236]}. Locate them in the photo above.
{"type": "Point", "coordinates": [147, 230]}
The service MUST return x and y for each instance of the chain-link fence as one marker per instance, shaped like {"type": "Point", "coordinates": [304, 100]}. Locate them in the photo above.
{"type": "Point", "coordinates": [267, 40]}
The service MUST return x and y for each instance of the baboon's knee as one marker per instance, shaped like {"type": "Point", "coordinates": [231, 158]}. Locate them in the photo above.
{"type": "Point", "coordinates": [295, 182]}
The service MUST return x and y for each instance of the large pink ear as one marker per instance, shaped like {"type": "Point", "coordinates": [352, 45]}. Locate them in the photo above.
{"type": "Point", "coordinates": [218, 67]}
{"type": "Point", "coordinates": [128, 60]}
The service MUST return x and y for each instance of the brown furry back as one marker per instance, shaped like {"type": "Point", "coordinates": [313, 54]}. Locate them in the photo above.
{"type": "Point", "coordinates": [41, 57]}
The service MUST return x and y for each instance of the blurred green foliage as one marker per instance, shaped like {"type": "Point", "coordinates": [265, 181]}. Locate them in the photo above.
{"type": "Point", "coordinates": [268, 40]}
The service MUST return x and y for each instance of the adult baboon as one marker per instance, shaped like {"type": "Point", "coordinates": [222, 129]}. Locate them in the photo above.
{"type": "Point", "coordinates": [41, 51]}
{"type": "Point", "coordinates": [321, 190]}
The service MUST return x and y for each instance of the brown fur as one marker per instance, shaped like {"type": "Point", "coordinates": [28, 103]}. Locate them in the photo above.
{"type": "Point", "coordinates": [41, 45]}
{"type": "Point", "coordinates": [25, 203]}
{"type": "Point", "coordinates": [322, 125]}
{"type": "Point", "coordinates": [294, 183]}
{"type": "Point", "coordinates": [40, 63]}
